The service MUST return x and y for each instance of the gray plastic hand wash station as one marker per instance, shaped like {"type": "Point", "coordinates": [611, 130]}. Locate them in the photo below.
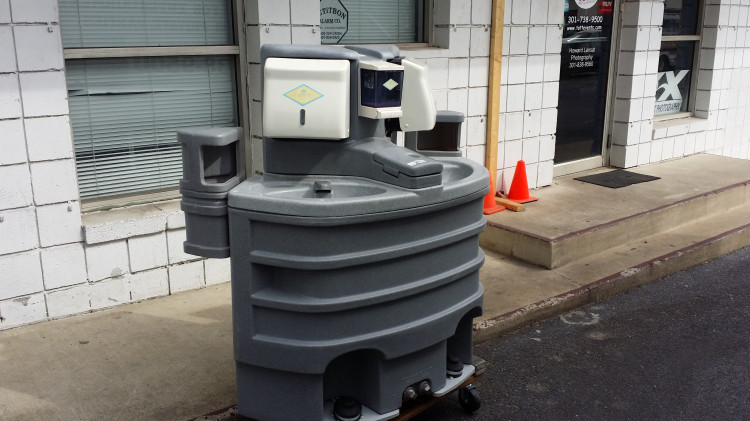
{"type": "Point", "coordinates": [355, 262]}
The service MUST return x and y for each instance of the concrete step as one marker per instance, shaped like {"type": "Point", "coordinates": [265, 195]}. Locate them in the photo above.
{"type": "Point", "coordinates": [518, 293]}
{"type": "Point", "coordinates": [573, 219]}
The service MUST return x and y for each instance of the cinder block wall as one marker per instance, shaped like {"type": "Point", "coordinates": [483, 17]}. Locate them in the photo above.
{"type": "Point", "coordinates": [61, 262]}
{"type": "Point", "coordinates": [532, 41]}
{"type": "Point", "coordinates": [459, 66]}
{"type": "Point", "coordinates": [54, 262]}
{"type": "Point", "coordinates": [720, 122]}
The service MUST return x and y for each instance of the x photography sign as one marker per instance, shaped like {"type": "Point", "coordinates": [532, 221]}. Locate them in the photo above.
{"type": "Point", "coordinates": [668, 96]}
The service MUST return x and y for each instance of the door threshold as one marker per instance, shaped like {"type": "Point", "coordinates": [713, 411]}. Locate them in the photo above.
{"type": "Point", "coordinates": [572, 167]}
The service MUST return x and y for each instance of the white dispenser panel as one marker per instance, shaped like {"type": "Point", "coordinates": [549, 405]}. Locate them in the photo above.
{"type": "Point", "coordinates": [306, 98]}
{"type": "Point", "coordinates": [419, 111]}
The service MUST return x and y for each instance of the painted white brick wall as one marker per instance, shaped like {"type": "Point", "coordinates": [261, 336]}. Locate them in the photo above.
{"type": "Point", "coordinates": [217, 271]}
{"type": "Point", "coordinates": [149, 284]}
{"type": "Point", "coordinates": [38, 47]}
{"type": "Point", "coordinates": [67, 301]}
{"type": "Point", "coordinates": [8, 64]}
{"type": "Point", "coordinates": [21, 275]}
{"type": "Point", "coordinates": [109, 293]}
{"type": "Point", "coordinates": [633, 108]}
{"type": "Point", "coordinates": [54, 181]}
{"type": "Point", "coordinates": [4, 11]}
{"type": "Point", "coordinates": [19, 225]}
{"type": "Point", "coordinates": [59, 261]}
{"type": "Point", "coordinates": [23, 310]}
{"type": "Point", "coordinates": [147, 252]}
{"type": "Point", "coordinates": [34, 11]}
{"type": "Point", "coordinates": [186, 276]}
{"type": "Point", "coordinates": [721, 115]}
{"type": "Point", "coordinates": [107, 260]}
{"type": "Point", "coordinates": [10, 96]}
{"type": "Point", "coordinates": [465, 31]}
{"type": "Point", "coordinates": [48, 138]}
{"type": "Point", "coordinates": [63, 262]}
{"type": "Point", "coordinates": [15, 190]}
{"type": "Point", "coordinates": [64, 266]}
{"type": "Point", "coordinates": [532, 41]}
{"type": "Point", "coordinates": [44, 93]}
{"type": "Point", "coordinates": [12, 142]}
{"type": "Point", "coordinates": [59, 224]}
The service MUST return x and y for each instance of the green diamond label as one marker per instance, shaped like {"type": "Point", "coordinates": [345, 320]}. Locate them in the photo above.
{"type": "Point", "coordinates": [303, 95]}
{"type": "Point", "coordinates": [390, 84]}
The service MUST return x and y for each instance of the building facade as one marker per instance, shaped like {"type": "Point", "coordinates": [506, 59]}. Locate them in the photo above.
{"type": "Point", "coordinates": [91, 92]}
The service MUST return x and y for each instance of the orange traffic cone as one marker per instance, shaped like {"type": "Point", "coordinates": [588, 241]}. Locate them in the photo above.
{"type": "Point", "coordinates": [519, 188]}
{"type": "Point", "coordinates": [490, 206]}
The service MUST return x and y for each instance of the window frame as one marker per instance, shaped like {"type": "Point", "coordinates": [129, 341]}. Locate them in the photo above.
{"type": "Point", "coordinates": [697, 39]}
{"type": "Point", "coordinates": [237, 50]}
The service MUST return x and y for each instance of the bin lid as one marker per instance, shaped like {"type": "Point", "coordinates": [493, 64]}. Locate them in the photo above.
{"type": "Point", "coordinates": [449, 116]}
{"type": "Point", "coordinates": [209, 136]}
{"type": "Point", "coordinates": [393, 163]}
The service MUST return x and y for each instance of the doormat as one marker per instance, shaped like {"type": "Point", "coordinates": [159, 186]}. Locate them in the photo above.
{"type": "Point", "coordinates": [616, 179]}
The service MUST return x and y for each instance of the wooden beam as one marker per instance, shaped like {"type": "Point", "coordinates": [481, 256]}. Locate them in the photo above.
{"type": "Point", "coordinates": [510, 205]}
{"type": "Point", "coordinates": [493, 92]}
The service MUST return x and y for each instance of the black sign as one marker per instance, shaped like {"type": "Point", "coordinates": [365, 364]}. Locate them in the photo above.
{"type": "Point", "coordinates": [584, 72]}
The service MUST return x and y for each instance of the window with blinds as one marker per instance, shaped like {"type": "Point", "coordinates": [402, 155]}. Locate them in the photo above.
{"type": "Point", "coordinates": [137, 71]}
{"type": "Point", "coordinates": [371, 22]}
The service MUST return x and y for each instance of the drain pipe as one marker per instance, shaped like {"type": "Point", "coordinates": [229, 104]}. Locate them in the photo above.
{"type": "Point", "coordinates": [493, 90]}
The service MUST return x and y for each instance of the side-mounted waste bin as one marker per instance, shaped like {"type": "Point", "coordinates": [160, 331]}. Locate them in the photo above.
{"type": "Point", "coordinates": [212, 165]}
{"type": "Point", "coordinates": [354, 261]}
{"type": "Point", "coordinates": [444, 140]}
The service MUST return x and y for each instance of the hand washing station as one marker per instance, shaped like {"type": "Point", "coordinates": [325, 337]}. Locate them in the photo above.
{"type": "Point", "coordinates": [354, 261]}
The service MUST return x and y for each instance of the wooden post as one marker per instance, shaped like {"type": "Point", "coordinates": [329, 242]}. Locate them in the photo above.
{"type": "Point", "coordinates": [493, 90]}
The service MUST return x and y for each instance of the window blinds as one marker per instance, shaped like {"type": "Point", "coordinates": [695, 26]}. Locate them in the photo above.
{"type": "Point", "coordinates": [145, 23]}
{"type": "Point", "coordinates": [382, 21]}
{"type": "Point", "coordinates": [125, 112]}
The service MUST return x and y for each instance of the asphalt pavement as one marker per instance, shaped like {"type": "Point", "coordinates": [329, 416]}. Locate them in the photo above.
{"type": "Point", "coordinates": [676, 349]}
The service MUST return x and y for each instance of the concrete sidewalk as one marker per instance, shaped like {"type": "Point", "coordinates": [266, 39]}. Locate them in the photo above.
{"type": "Point", "coordinates": [165, 359]}
{"type": "Point", "coordinates": [171, 358]}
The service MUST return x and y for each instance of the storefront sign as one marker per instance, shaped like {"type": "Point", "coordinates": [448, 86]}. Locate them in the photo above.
{"type": "Point", "coordinates": [583, 37]}
{"type": "Point", "coordinates": [586, 4]}
{"type": "Point", "coordinates": [606, 6]}
{"type": "Point", "coordinates": [583, 23]}
{"type": "Point", "coordinates": [334, 21]}
{"type": "Point", "coordinates": [582, 58]}
{"type": "Point", "coordinates": [668, 96]}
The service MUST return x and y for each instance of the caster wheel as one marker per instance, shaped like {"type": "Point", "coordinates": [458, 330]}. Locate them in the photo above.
{"type": "Point", "coordinates": [347, 409]}
{"type": "Point", "coordinates": [468, 397]}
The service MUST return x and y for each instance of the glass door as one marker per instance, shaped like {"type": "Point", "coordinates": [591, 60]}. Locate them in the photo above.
{"type": "Point", "coordinates": [584, 84]}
